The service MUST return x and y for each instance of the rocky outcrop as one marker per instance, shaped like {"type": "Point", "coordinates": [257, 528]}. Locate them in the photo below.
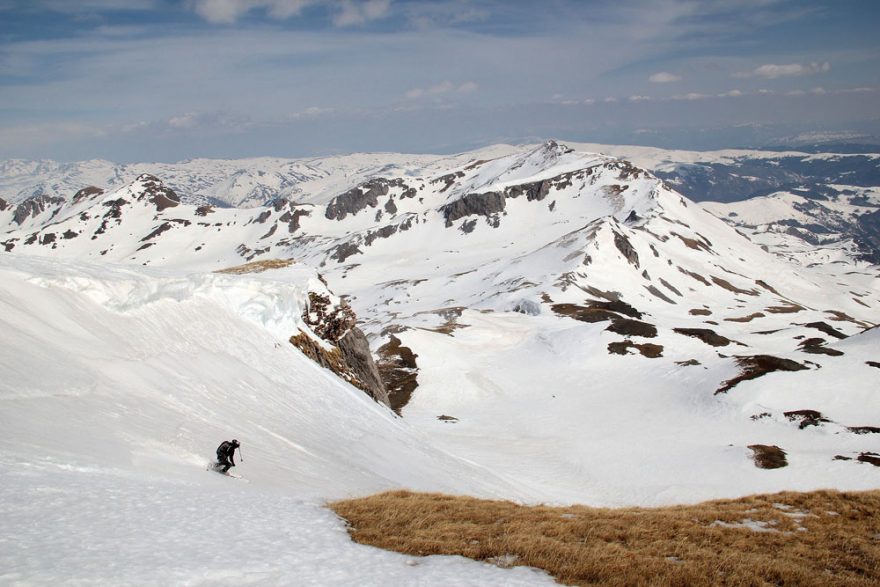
{"type": "Point", "coordinates": [399, 370]}
{"type": "Point", "coordinates": [485, 204]}
{"type": "Point", "coordinates": [34, 207]}
{"type": "Point", "coordinates": [87, 192]}
{"type": "Point", "coordinates": [347, 352]}
{"type": "Point", "coordinates": [356, 355]}
{"type": "Point", "coordinates": [535, 191]}
{"type": "Point", "coordinates": [626, 249]}
{"type": "Point", "coordinates": [155, 191]}
{"type": "Point", "coordinates": [366, 194]}
{"type": "Point", "coordinates": [3, 205]}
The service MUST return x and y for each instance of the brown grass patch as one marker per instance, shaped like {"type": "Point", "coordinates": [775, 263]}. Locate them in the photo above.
{"type": "Point", "coordinates": [257, 266]}
{"type": "Point", "coordinates": [748, 318]}
{"type": "Point", "coordinates": [652, 351]}
{"type": "Point", "coordinates": [789, 308]}
{"type": "Point", "coordinates": [768, 456]}
{"type": "Point", "coordinates": [818, 538]}
{"type": "Point", "coordinates": [627, 327]}
{"type": "Point", "coordinates": [730, 287]}
{"type": "Point", "coordinates": [708, 336]}
{"type": "Point", "coordinates": [757, 366]}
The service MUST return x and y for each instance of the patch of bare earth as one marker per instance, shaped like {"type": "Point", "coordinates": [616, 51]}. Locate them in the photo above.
{"type": "Point", "coordinates": [707, 335]}
{"type": "Point", "coordinates": [768, 456]}
{"type": "Point", "coordinates": [652, 351]}
{"type": "Point", "coordinates": [628, 327]}
{"type": "Point", "coordinates": [744, 319]}
{"type": "Point", "coordinates": [817, 346]}
{"type": "Point", "coordinates": [756, 366]}
{"type": "Point", "coordinates": [810, 539]}
{"type": "Point", "coordinates": [785, 309]}
{"type": "Point", "coordinates": [257, 266]}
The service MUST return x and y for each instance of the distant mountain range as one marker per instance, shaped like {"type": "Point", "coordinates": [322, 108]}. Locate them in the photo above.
{"type": "Point", "coordinates": [561, 317]}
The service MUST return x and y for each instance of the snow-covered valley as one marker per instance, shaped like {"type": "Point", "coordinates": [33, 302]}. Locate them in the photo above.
{"type": "Point", "coordinates": [577, 331]}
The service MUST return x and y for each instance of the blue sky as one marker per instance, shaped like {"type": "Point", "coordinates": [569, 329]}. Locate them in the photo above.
{"type": "Point", "coordinates": [165, 80]}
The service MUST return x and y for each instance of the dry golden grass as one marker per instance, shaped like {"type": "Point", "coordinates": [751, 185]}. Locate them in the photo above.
{"type": "Point", "coordinates": [818, 538]}
{"type": "Point", "coordinates": [257, 266]}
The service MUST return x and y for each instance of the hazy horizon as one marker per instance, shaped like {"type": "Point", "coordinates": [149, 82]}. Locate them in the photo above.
{"type": "Point", "coordinates": [166, 80]}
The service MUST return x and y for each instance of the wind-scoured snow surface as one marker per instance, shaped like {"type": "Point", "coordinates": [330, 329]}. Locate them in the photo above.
{"type": "Point", "coordinates": [118, 384]}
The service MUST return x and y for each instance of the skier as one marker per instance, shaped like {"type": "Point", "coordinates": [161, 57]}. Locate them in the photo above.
{"type": "Point", "coordinates": [225, 454]}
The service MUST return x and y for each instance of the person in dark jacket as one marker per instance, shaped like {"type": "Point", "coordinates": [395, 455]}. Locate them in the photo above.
{"type": "Point", "coordinates": [226, 454]}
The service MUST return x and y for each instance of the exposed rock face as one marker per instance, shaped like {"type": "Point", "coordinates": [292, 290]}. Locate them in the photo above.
{"type": "Point", "coordinates": [626, 249]}
{"type": "Point", "coordinates": [474, 204]}
{"type": "Point", "coordinates": [3, 205]}
{"type": "Point", "coordinates": [399, 372]}
{"type": "Point", "coordinates": [87, 192]}
{"type": "Point", "coordinates": [533, 191]}
{"type": "Point", "coordinates": [366, 194]}
{"type": "Point", "coordinates": [349, 356]}
{"type": "Point", "coordinates": [154, 190]}
{"type": "Point", "coordinates": [356, 354]}
{"type": "Point", "coordinates": [806, 418]}
{"type": "Point", "coordinates": [34, 207]}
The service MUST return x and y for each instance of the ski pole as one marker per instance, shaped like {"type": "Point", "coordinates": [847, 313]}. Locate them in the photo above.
{"type": "Point", "coordinates": [240, 456]}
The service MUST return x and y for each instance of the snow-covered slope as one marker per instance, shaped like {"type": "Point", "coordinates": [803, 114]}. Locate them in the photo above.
{"type": "Point", "coordinates": [240, 183]}
{"type": "Point", "coordinates": [554, 324]}
{"type": "Point", "coordinates": [841, 224]}
{"type": "Point", "coordinates": [117, 385]}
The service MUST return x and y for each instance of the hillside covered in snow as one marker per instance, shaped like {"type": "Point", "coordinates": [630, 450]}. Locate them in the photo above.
{"type": "Point", "coordinates": [549, 324]}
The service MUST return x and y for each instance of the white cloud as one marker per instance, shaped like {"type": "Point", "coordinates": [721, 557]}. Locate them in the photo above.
{"type": "Point", "coordinates": [443, 87]}
{"type": "Point", "coordinates": [772, 71]}
{"type": "Point", "coordinates": [229, 11]}
{"type": "Point", "coordinates": [352, 13]}
{"type": "Point", "coordinates": [638, 98]}
{"type": "Point", "coordinates": [85, 6]}
{"type": "Point", "coordinates": [691, 96]}
{"type": "Point", "coordinates": [863, 90]}
{"type": "Point", "coordinates": [610, 100]}
{"type": "Point", "coordinates": [664, 77]}
{"type": "Point", "coordinates": [209, 121]}
{"type": "Point", "coordinates": [311, 112]}
{"type": "Point", "coordinates": [731, 94]}
{"type": "Point", "coordinates": [426, 15]}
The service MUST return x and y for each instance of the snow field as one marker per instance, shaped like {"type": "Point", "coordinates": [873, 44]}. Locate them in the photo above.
{"type": "Point", "coordinates": [118, 384]}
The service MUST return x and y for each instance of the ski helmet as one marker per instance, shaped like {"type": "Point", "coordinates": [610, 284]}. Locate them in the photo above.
{"type": "Point", "coordinates": [235, 442]}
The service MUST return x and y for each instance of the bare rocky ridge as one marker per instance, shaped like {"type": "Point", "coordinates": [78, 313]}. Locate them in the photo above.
{"type": "Point", "coordinates": [34, 206]}
{"type": "Point", "coordinates": [349, 355]}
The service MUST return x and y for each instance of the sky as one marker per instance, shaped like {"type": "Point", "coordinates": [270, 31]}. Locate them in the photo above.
{"type": "Point", "coordinates": [167, 80]}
